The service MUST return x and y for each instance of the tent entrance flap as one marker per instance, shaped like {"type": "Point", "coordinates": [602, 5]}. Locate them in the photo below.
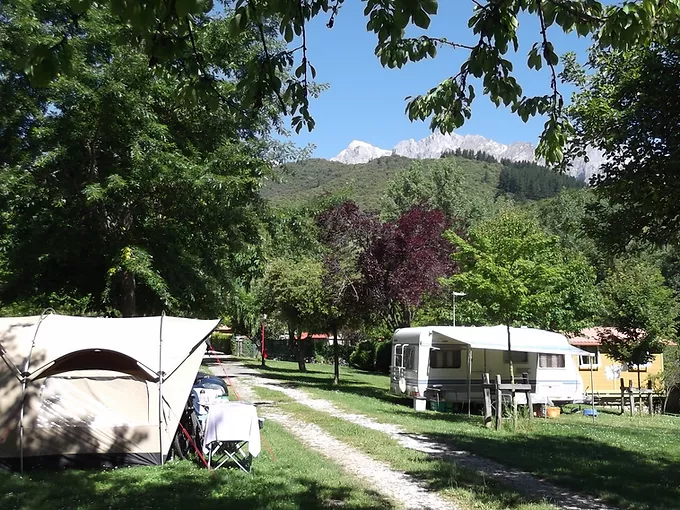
{"type": "Point", "coordinates": [96, 359]}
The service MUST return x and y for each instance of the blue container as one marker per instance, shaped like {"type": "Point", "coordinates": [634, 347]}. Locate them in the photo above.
{"type": "Point", "coordinates": [590, 412]}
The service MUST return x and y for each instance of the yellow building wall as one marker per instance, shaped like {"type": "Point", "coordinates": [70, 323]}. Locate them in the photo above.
{"type": "Point", "coordinates": [604, 385]}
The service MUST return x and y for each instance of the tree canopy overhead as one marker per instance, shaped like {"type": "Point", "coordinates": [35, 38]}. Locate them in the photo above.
{"type": "Point", "coordinates": [628, 109]}
{"type": "Point", "coordinates": [112, 187]}
{"type": "Point", "coordinates": [165, 30]}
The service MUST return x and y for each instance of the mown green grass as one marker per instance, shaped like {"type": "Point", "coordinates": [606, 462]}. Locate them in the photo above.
{"type": "Point", "coordinates": [295, 478]}
{"type": "Point", "coordinates": [466, 489]}
{"type": "Point", "coordinates": [632, 462]}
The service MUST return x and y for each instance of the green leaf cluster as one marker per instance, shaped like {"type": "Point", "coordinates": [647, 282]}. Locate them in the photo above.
{"type": "Point", "coordinates": [520, 275]}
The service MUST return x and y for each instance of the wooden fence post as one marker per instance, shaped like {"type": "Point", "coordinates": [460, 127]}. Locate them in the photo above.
{"type": "Point", "coordinates": [499, 402]}
{"type": "Point", "coordinates": [650, 397]}
{"type": "Point", "coordinates": [487, 400]}
{"type": "Point", "coordinates": [623, 398]}
{"type": "Point", "coordinates": [631, 400]}
{"type": "Point", "coordinates": [530, 405]}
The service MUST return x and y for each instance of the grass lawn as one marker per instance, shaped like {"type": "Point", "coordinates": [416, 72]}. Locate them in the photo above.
{"type": "Point", "coordinates": [466, 489]}
{"type": "Point", "coordinates": [297, 478]}
{"type": "Point", "coordinates": [632, 462]}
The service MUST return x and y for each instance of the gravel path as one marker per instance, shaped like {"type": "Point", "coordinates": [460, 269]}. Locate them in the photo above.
{"type": "Point", "coordinates": [397, 486]}
{"type": "Point", "coordinates": [518, 480]}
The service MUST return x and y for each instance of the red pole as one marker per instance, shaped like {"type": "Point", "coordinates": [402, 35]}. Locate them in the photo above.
{"type": "Point", "coordinates": [263, 351]}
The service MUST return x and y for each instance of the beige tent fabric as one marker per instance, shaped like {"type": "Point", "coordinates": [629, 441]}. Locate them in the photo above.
{"type": "Point", "coordinates": [103, 412]}
{"type": "Point", "coordinates": [138, 337]}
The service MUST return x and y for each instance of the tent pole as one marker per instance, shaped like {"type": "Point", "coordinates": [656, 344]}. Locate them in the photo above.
{"type": "Point", "coordinates": [469, 376]}
{"type": "Point", "coordinates": [24, 383]}
{"type": "Point", "coordinates": [160, 389]}
{"type": "Point", "coordinates": [21, 424]}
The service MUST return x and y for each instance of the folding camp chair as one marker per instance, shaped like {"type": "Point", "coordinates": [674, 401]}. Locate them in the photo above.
{"type": "Point", "coordinates": [232, 433]}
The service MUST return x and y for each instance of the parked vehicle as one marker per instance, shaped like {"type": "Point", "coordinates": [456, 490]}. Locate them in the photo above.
{"type": "Point", "coordinates": [446, 363]}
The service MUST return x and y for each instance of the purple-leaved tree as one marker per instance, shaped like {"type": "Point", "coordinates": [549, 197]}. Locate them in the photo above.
{"type": "Point", "coordinates": [403, 263]}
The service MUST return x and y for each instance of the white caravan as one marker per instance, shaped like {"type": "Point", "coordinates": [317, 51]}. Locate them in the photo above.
{"type": "Point", "coordinates": [447, 363]}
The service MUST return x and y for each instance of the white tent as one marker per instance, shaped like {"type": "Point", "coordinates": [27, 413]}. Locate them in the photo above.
{"type": "Point", "coordinates": [94, 391]}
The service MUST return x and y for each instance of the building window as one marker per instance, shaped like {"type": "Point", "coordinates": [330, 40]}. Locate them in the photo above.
{"type": "Point", "coordinates": [517, 357]}
{"type": "Point", "coordinates": [445, 358]}
{"type": "Point", "coordinates": [551, 361]}
{"type": "Point", "coordinates": [632, 367]}
{"type": "Point", "coordinates": [588, 361]}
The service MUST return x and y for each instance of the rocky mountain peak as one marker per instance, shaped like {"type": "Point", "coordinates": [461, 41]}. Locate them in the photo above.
{"type": "Point", "coordinates": [435, 144]}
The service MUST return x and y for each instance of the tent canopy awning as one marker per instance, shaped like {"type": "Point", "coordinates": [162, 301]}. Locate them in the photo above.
{"type": "Point", "coordinates": [64, 343]}
{"type": "Point", "coordinates": [496, 338]}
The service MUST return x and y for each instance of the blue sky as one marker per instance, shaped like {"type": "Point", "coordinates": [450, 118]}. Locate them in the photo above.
{"type": "Point", "coordinates": [366, 101]}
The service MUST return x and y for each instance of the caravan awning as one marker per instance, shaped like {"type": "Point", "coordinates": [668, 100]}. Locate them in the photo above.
{"type": "Point", "coordinates": [495, 338]}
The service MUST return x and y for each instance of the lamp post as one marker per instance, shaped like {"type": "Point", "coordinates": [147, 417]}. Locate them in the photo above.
{"type": "Point", "coordinates": [264, 318]}
{"type": "Point", "coordinates": [460, 294]}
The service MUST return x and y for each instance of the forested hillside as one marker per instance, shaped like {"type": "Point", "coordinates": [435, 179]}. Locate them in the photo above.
{"type": "Point", "coordinates": [529, 181]}
{"type": "Point", "coordinates": [366, 183]}
{"type": "Point", "coordinates": [313, 177]}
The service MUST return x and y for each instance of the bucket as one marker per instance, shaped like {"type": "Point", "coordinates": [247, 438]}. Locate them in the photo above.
{"type": "Point", "coordinates": [553, 412]}
{"type": "Point", "coordinates": [440, 406]}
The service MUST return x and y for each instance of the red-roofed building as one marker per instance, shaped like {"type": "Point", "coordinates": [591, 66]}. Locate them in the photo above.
{"type": "Point", "coordinates": [606, 371]}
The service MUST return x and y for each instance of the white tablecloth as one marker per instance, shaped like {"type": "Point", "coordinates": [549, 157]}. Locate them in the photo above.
{"type": "Point", "coordinates": [233, 421]}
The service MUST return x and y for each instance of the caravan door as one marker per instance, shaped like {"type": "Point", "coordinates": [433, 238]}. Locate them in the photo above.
{"type": "Point", "coordinates": [404, 376]}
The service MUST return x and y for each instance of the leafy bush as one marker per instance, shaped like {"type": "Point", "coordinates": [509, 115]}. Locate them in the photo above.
{"type": "Point", "coordinates": [324, 350]}
{"type": "Point", "coordinates": [363, 356]}
{"type": "Point", "coordinates": [383, 356]}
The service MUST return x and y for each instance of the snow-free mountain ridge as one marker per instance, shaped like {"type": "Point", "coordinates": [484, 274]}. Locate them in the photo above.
{"type": "Point", "coordinates": [434, 145]}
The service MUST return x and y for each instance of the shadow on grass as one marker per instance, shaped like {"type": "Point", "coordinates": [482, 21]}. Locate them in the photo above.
{"type": "Point", "coordinates": [175, 486]}
{"type": "Point", "coordinates": [444, 475]}
{"type": "Point", "coordinates": [617, 475]}
{"type": "Point", "coordinates": [589, 461]}
{"type": "Point", "coordinates": [301, 379]}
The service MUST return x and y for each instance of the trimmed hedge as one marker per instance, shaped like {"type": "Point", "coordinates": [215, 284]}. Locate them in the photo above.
{"type": "Point", "coordinates": [221, 342]}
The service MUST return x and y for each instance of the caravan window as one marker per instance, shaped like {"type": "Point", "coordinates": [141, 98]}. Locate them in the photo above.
{"type": "Point", "coordinates": [551, 361]}
{"type": "Point", "coordinates": [517, 357]}
{"type": "Point", "coordinates": [445, 358]}
{"type": "Point", "coordinates": [409, 357]}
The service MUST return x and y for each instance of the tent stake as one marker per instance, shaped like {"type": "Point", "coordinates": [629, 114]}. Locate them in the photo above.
{"type": "Point", "coordinates": [160, 390]}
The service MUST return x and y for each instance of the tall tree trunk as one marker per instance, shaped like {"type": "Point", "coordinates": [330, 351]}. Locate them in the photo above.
{"type": "Point", "coordinates": [262, 346]}
{"type": "Point", "coordinates": [336, 357]}
{"type": "Point", "coordinates": [128, 294]}
{"type": "Point", "coordinates": [297, 346]}
{"type": "Point", "coordinates": [512, 378]}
